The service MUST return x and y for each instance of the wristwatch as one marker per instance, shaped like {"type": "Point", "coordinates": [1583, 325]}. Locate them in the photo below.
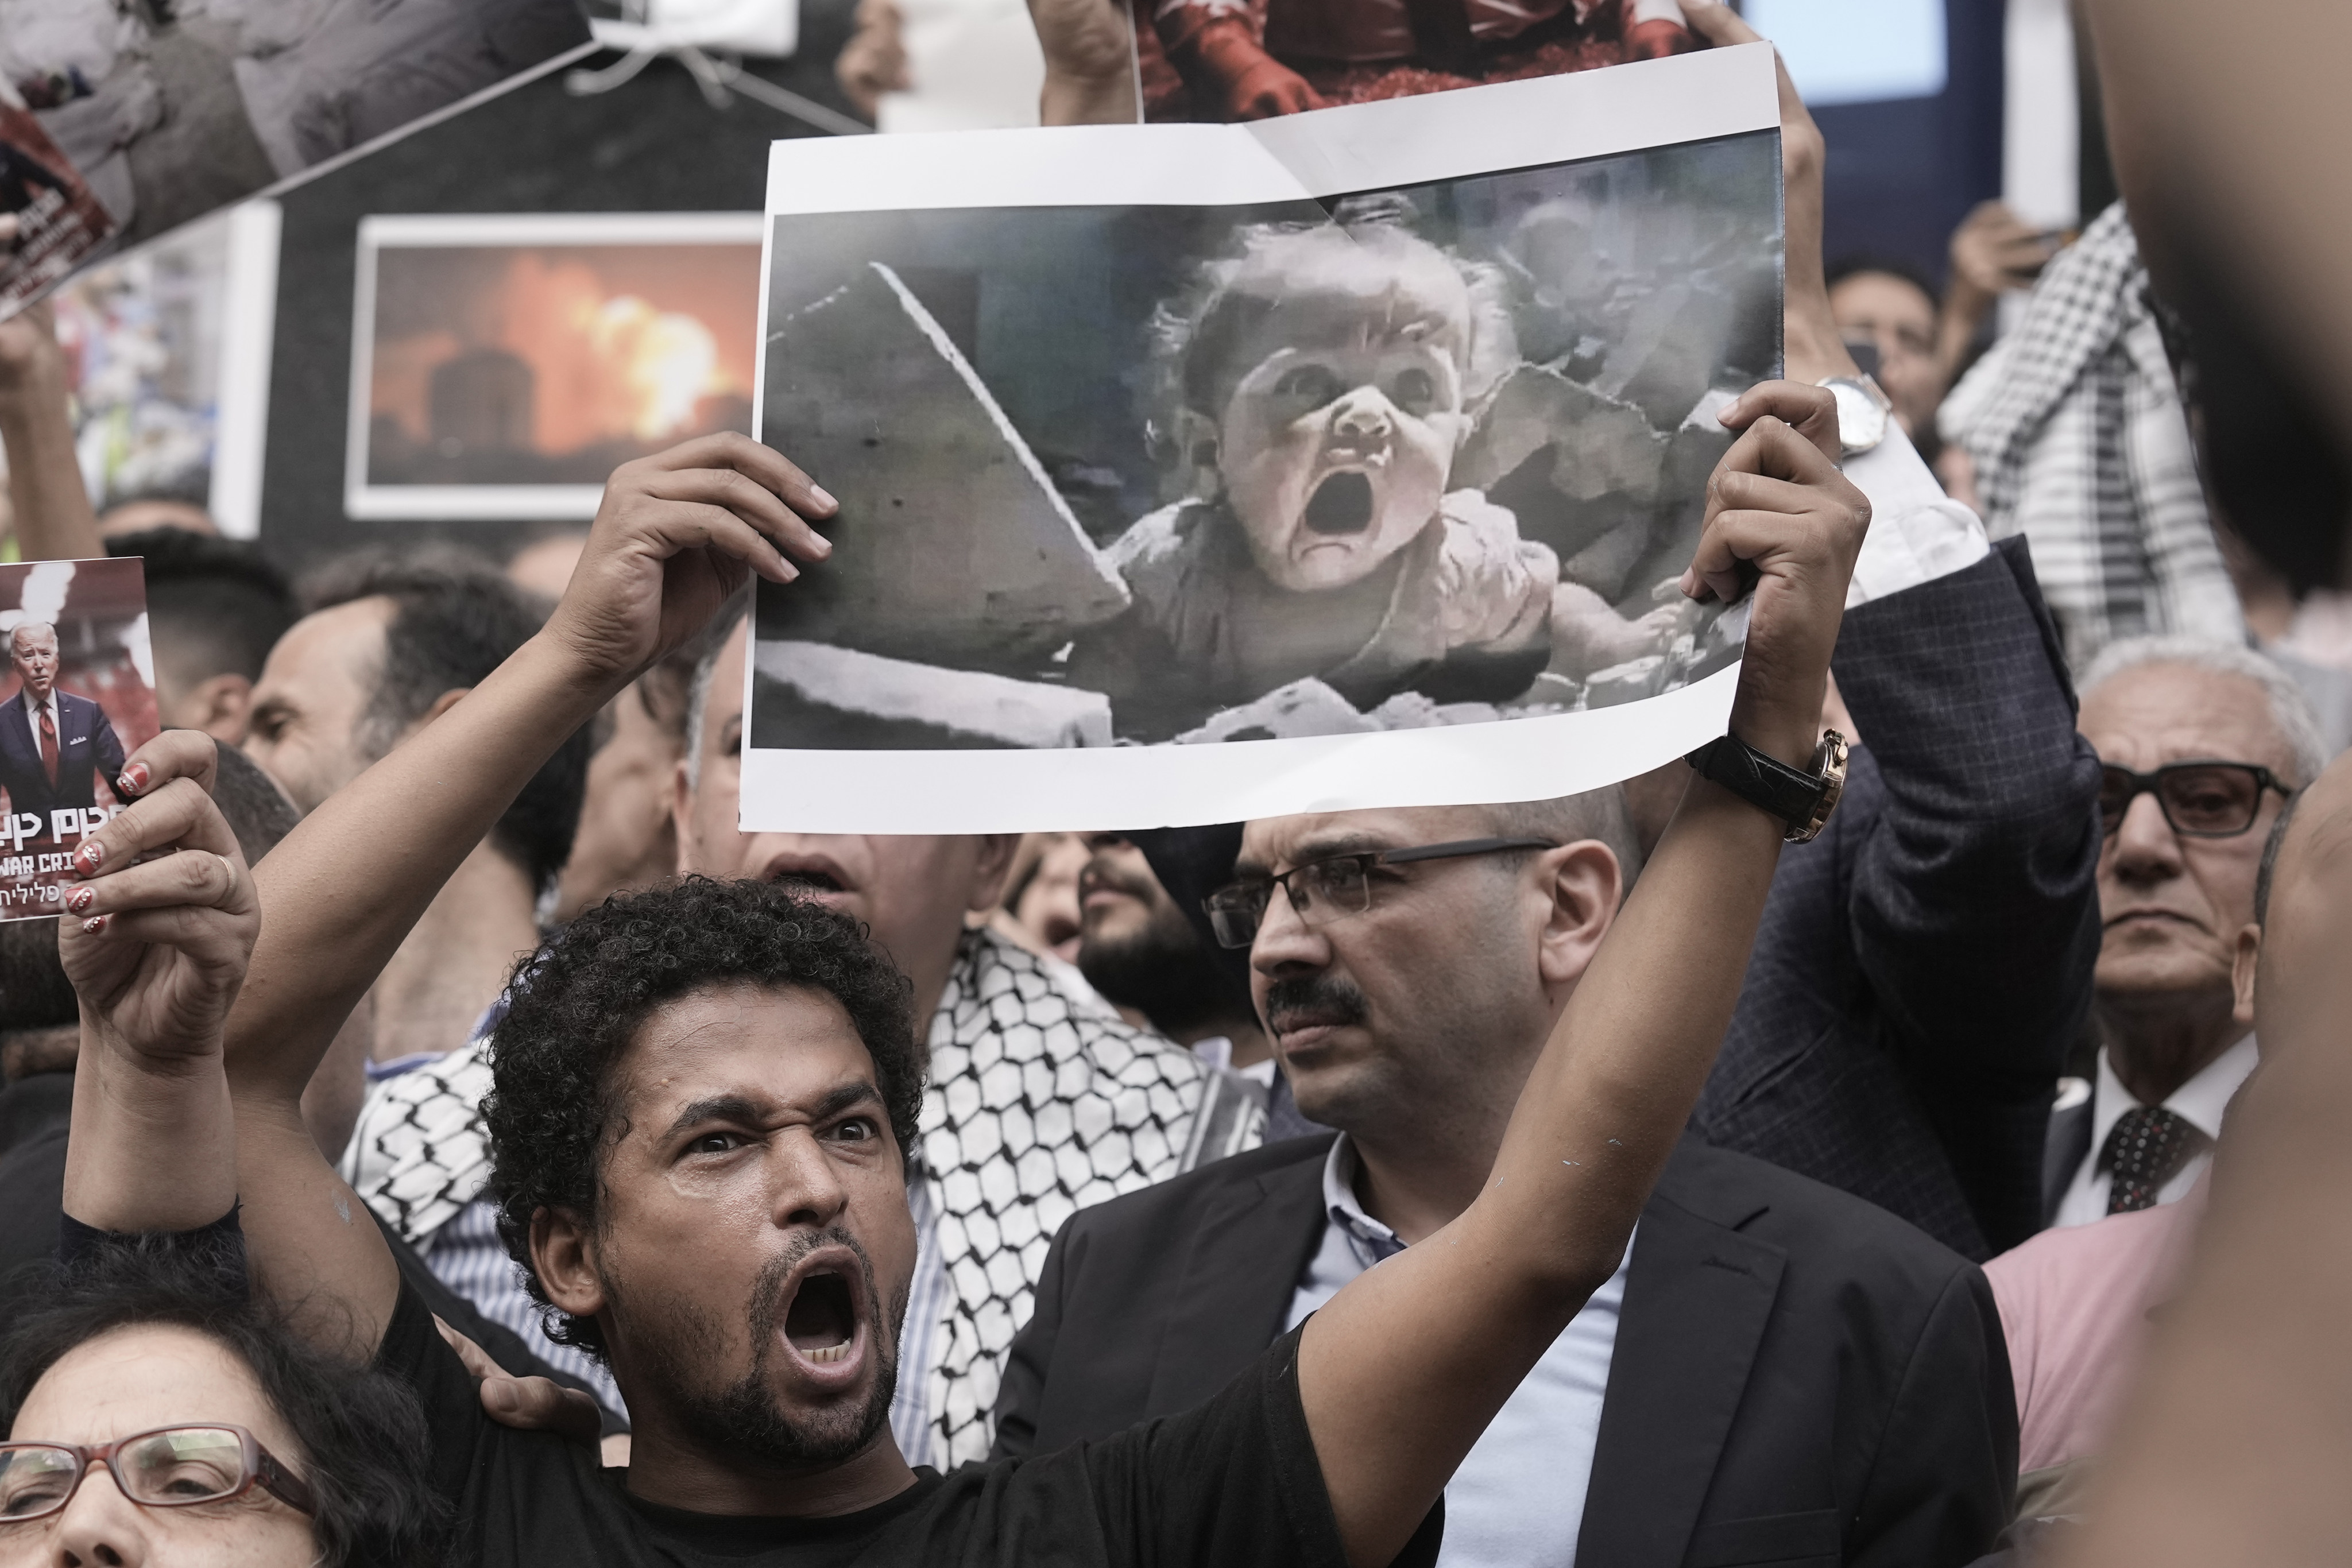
{"type": "Point", "coordinates": [1862, 410]}
{"type": "Point", "coordinates": [1803, 801]}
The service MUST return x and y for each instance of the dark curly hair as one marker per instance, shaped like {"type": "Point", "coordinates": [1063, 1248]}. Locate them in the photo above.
{"type": "Point", "coordinates": [363, 1438]}
{"type": "Point", "coordinates": [576, 1003]}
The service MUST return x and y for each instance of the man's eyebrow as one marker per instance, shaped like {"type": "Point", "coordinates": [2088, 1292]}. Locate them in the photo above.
{"type": "Point", "coordinates": [713, 1108]}
{"type": "Point", "coordinates": [743, 1109]}
{"type": "Point", "coordinates": [1316, 846]}
{"type": "Point", "coordinates": [846, 1097]}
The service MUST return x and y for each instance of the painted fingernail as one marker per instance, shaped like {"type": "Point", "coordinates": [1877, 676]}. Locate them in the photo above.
{"type": "Point", "coordinates": [94, 924]}
{"type": "Point", "coordinates": [88, 857]}
{"type": "Point", "coordinates": [82, 898]}
{"type": "Point", "coordinates": [822, 496]}
{"type": "Point", "coordinates": [134, 778]}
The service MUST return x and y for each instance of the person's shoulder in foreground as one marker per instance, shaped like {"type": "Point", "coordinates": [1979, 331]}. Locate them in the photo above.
{"type": "Point", "coordinates": [2076, 1303]}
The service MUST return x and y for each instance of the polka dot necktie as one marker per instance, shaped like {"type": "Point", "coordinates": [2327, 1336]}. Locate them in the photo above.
{"type": "Point", "coordinates": [2146, 1149]}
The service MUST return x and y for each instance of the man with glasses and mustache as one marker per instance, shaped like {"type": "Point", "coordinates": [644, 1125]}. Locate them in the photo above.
{"type": "Point", "coordinates": [2201, 744]}
{"type": "Point", "coordinates": [1778, 1370]}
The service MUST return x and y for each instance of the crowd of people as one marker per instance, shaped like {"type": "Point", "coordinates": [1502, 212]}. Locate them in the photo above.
{"type": "Point", "coordinates": [434, 1131]}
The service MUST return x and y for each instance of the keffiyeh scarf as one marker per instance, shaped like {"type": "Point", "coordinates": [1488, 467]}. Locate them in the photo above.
{"type": "Point", "coordinates": [1042, 1101]}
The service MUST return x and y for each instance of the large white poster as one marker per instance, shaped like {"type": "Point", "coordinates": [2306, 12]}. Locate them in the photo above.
{"type": "Point", "coordinates": [1197, 473]}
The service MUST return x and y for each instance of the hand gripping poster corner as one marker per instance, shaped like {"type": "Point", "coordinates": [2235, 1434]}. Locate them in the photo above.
{"type": "Point", "coordinates": [1202, 473]}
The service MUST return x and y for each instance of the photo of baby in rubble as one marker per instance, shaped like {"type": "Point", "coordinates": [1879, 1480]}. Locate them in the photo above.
{"type": "Point", "coordinates": [1433, 457]}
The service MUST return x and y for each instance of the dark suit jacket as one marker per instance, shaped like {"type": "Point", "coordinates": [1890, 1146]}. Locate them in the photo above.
{"type": "Point", "coordinates": [1800, 1378]}
{"type": "Point", "coordinates": [86, 749]}
{"type": "Point", "coordinates": [1924, 966]}
{"type": "Point", "coordinates": [2068, 1144]}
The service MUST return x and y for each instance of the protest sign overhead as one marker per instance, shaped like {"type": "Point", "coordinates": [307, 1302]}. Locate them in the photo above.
{"type": "Point", "coordinates": [1368, 444]}
{"type": "Point", "coordinates": [1248, 59]}
{"type": "Point", "coordinates": [161, 113]}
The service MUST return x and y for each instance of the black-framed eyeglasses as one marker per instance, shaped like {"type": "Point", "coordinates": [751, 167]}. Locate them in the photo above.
{"type": "Point", "coordinates": [1332, 887]}
{"type": "Point", "coordinates": [171, 1467]}
{"type": "Point", "coordinates": [2200, 799]}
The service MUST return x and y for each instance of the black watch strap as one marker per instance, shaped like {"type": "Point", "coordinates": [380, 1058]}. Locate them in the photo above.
{"type": "Point", "coordinates": [1763, 781]}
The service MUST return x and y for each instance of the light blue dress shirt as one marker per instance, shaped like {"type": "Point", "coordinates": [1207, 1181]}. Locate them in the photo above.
{"type": "Point", "coordinates": [1517, 1502]}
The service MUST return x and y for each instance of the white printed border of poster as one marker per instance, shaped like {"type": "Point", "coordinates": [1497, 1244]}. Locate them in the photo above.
{"type": "Point", "coordinates": [1385, 145]}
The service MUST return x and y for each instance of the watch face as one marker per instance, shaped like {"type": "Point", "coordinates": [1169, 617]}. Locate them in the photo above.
{"type": "Point", "coordinates": [1861, 421]}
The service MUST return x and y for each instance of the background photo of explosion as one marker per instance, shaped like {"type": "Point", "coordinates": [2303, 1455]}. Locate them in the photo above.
{"type": "Point", "coordinates": [492, 358]}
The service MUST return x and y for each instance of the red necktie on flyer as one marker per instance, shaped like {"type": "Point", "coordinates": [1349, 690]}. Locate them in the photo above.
{"type": "Point", "coordinates": [49, 746]}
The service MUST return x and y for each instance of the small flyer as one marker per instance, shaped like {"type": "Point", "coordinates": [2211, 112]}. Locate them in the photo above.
{"type": "Point", "coordinates": [81, 698]}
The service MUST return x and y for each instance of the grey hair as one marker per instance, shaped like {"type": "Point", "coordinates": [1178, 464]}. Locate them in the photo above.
{"type": "Point", "coordinates": [22, 626]}
{"type": "Point", "coordinates": [1598, 814]}
{"type": "Point", "coordinates": [2291, 715]}
{"type": "Point", "coordinates": [721, 632]}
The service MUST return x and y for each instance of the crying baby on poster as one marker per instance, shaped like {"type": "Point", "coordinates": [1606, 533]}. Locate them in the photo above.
{"type": "Point", "coordinates": [1320, 386]}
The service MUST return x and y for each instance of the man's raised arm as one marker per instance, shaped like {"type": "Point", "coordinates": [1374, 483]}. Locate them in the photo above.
{"type": "Point", "coordinates": [675, 535]}
{"type": "Point", "coordinates": [1402, 1372]}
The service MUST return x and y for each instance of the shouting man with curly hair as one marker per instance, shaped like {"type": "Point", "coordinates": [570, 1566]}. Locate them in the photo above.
{"type": "Point", "coordinates": [715, 1084]}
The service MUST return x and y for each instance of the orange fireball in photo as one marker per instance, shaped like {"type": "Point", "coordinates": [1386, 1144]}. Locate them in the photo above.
{"type": "Point", "coordinates": [549, 363]}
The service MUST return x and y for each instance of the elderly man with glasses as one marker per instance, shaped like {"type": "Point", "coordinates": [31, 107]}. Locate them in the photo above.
{"type": "Point", "coordinates": [2201, 743]}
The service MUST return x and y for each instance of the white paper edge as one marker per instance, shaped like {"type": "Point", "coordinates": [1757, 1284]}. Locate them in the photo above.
{"type": "Point", "coordinates": [1402, 141]}
{"type": "Point", "coordinates": [364, 501]}
{"type": "Point", "coordinates": [1117, 788]}
{"type": "Point", "coordinates": [559, 228]}
{"type": "Point", "coordinates": [241, 401]}
{"type": "Point", "coordinates": [482, 502]}
{"type": "Point", "coordinates": [1334, 152]}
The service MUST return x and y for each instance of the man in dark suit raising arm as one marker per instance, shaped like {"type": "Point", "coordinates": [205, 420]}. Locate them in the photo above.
{"type": "Point", "coordinates": [733, 1232]}
{"type": "Point", "coordinates": [1776, 1371]}
{"type": "Point", "coordinates": [54, 746]}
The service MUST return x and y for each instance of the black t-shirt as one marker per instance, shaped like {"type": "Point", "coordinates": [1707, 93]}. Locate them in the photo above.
{"type": "Point", "coordinates": [1228, 1485]}
{"type": "Point", "coordinates": [35, 1113]}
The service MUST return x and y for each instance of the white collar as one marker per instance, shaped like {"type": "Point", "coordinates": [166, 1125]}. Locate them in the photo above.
{"type": "Point", "coordinates": [1339, 1168]}
{"type": "Point", "coordinates": [2199, 1101]}
{"type": "Point", "coordinates": [31, 708]}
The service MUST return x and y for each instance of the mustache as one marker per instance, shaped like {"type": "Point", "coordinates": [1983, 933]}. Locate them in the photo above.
{"type": "Point", "coordinates": [1102, 873]}
{"type": "Point", "coordinates": [1324, 998]}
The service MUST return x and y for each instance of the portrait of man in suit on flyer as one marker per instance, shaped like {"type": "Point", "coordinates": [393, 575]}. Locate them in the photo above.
{"type": "Point", "coordinates": [56, 745]}
{"type": "Point", "coordinates": [79, 698]}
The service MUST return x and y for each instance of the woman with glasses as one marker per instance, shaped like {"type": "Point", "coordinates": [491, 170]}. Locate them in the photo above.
{"type": "Point", "coordinates": [157, 1416]}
